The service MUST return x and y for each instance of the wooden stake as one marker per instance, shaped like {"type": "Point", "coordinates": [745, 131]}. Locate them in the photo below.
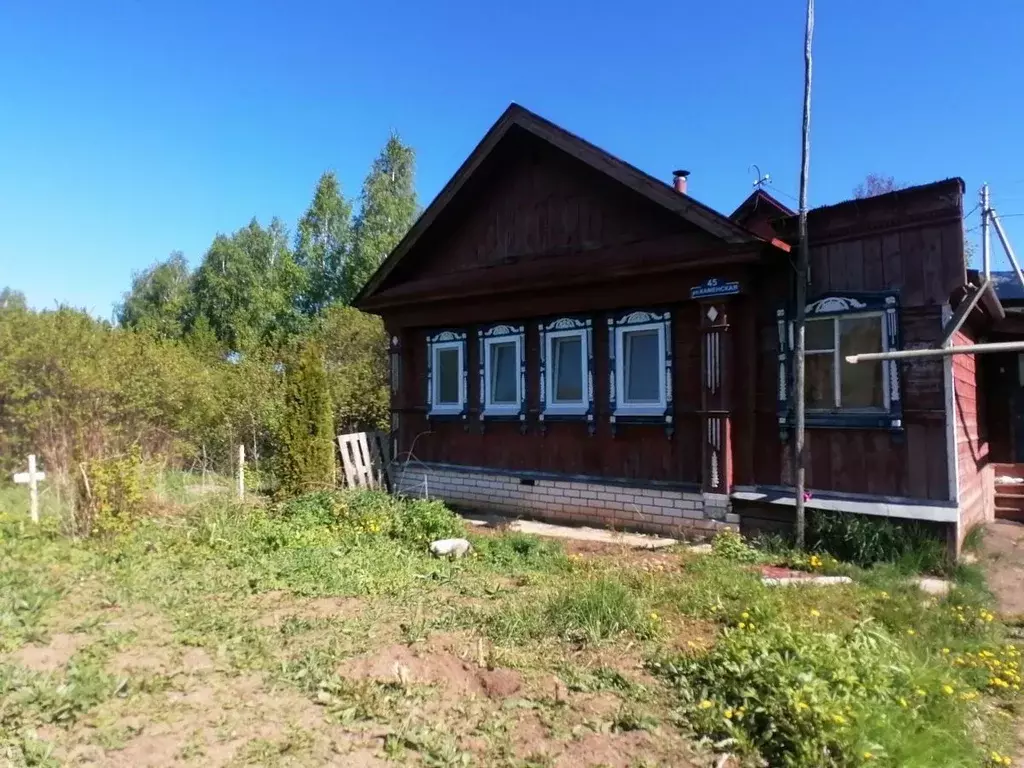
{"type": "Point", "coordinates": [803, 260]}
{"type": "Point", "coordinates": [241, 471]}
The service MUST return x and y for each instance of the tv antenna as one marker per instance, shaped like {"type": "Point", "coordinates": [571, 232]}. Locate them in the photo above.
{"type": "Point", "coordinates": [761, 178]}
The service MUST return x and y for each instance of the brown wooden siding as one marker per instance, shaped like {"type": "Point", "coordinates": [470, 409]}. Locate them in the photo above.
{"type": "Point", "coordinates": [919, 252]}
{"type": "Point", "coordinates": [643, 452]}
{"type": "Point", "coordinates": [533, 200]}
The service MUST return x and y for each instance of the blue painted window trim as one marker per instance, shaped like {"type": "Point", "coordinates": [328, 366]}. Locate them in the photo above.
{"type": "Point", "coordinates": [836, 305]}
{"type": "Point", "coordinates": [549, 411]}
{"type": "Point", "coordinates": [502, 332]}
{"type": "Point", "coordinates": [445, 337]}
{"type": "Point", "coordinates": [637, 318]}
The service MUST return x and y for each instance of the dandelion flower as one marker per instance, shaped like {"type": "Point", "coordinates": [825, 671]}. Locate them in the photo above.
{"type": "Point", "coordinates": [868, 756]}
{"type": "Point", "coordinates": [815, 612]}
{"type": "Point", "coordinates": [911, 632]}
{"type": "Point", "coordinates": [903, 702]}
{"type": "Point", "coordinates": [945, 651]}
{"type": "Point", "coordinates": [948, 690]}
{"type": "Point", "coordinates": [706, 704]}
{"type": "Point", "coordinates": [744, 615]}
{"type": "Point", "coordinates": [728, 714]}
{"type": "Point", "coordinates": [654, 616]}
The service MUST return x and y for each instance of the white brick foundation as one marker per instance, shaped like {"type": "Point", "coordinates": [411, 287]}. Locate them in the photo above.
{"type": "Point", "coordinates": [668, 512]}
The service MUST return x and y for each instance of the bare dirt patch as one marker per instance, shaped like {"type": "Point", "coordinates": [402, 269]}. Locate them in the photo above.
{"type": "Point", "coordinates": [276, 607]}
{"type": "Point", "coordinates": [1002, 557]}
{"type": "Point", "coordinates": [609, 750]}
{"type": "Point", "coordinates": [52, 656]}
{"type": "Point", "coordinates": [405, 664]}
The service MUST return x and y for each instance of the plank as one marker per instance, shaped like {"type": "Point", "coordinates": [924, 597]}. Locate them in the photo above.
{"type": "Point", "coordinates": [892, 261]}
{"type": "Point", "coordinates": [912, 250]}
{"type": "Point", "coordinates": [932, 261]}
{"type": "Point", "coordinates": [852, 253]}
{"type": "Point", "coordinates": [874, 276]}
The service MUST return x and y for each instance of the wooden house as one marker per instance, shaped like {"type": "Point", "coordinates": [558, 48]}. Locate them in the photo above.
{"type": "Point", "coordinates": [577, 341]}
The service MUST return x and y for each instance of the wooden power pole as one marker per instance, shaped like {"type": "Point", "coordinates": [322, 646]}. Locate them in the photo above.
{"type": "Point", "coordinates": [803, 259]}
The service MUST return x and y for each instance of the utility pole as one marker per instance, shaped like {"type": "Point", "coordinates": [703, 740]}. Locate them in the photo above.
{"type": "Point", "coordinates": [986, 266]}
{"type": "Point", "coordinates": [803, 259]}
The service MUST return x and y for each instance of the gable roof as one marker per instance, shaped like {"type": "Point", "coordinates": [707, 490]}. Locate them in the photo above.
{"type": "Point", "coordinates": [756, 200]}
{"type": "Point", "coordinates": [653, 189]}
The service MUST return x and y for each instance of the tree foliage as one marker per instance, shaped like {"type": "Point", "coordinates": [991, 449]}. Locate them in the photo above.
{"type": "Point", "coordinates": [388, 209]}
{"type": "Point", "coordinates": [158, 299]}
{"type": "Point", "coordinates": [245, 287]}
{"type": "Point", "coordinates": [322, 246]}
{"type": "Point", "coordinates": [875, 184]}
{"type": "Point", "coordinates": [356, 348]}
{"type": "Point", "coordinates": [306, 434]}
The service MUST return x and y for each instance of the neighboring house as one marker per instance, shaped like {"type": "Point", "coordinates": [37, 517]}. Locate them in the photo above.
{"type": "Point", "coordinates": [574, 340]}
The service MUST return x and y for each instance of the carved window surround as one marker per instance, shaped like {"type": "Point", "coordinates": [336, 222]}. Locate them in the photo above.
{"type": "Point", "coordinates": [889, 415]}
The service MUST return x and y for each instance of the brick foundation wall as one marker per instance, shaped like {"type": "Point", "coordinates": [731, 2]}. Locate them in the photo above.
{"type": "Point", "coordinates": [624, 507]}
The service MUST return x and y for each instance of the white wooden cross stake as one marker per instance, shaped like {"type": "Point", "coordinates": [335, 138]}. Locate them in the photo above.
{"type": "Point", "coordinates": [31, 478]}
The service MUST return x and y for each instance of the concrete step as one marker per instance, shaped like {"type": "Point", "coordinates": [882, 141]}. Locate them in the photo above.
{"type": "Point", "coordinates": [1009, 513]}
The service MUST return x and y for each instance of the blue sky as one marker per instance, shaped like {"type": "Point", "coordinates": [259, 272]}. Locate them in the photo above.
{"type": "Point", "coordinates": [133, 128]}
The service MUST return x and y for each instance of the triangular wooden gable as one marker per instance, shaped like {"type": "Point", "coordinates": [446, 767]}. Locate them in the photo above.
{"type": "Point", "coordinates": [532, 190]}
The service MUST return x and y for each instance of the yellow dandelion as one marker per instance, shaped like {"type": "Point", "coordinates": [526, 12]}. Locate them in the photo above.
{"type": "Point", "coordinates": [945, 651]}
{"type": "Point", "coordinates": [742, 625]}
{"type": "Point", "coordinates": [948, 690]}
{"type": "Point", "coordinates": [868, 756]}
{"type": "Point", "coordinates": [921, 692]}
{"type": "Point", "coordinates": [706, 704]}
{"type": "Point", "coordinates": [744, 615]}
{"type": "Point", "coordinates": [728, 714]}
{"type": "Point", "coordinates": [838, 719]}
{"type": "Point", "coordinates": [911, 632]}
{"type": "Point", "coordinates": [801, 706]}
{"type": "Point", "coordinates": [815, 612]}
{"type": "Point", "coordinates": [903, 703]}
{"type": "Point", "coordinates": [654, 616]}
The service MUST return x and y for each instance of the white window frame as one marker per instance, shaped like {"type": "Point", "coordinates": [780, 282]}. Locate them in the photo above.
{"type": "Point", "coordinates": [502, 409]}
{"type": "Point", "coordinates": [435, 372]}
{"type": "Point", "coordinates": [622, 407]}
{"type": "Point", "coordinates": [566, 407]}
{"type": "Point", "coordinates": [837, 361]}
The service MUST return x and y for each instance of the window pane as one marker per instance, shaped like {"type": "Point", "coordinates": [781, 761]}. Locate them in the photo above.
{"type": "Point", "coordinates": [503, 373]}
{"type": "Point", "coordinates": [819, 381]}
{"type": "Point", "coordinates": [861, 385]}
{"type": "Point", "coordinates": [820, 334]}
{"type": "Point", "coordinates": [447, 375]}
{"type": "Point", "coordinates": [568, 378]}
{"type": "Point", "coordinates": [643, 367]}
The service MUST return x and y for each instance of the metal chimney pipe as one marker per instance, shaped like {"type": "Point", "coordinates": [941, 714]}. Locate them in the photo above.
{"type": "Point", "coordinates": [679, 181]}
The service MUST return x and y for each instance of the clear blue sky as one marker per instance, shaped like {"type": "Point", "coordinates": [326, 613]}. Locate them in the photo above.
{"type": "Point", "coordinates": [133, 128]}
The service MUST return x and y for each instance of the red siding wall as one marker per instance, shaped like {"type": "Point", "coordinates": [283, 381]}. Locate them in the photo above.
{"type": "Point", "coordinates": [972, 449]}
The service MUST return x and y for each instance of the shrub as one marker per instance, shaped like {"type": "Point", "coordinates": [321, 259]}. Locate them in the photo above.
{"type": "Point", "coordinates": [353, 514]}
{"type": "Point", "coordinates": [865, 540]}
{"type": "Point", "coordinates": [111, 495]}
{"type": "Point", "coordinates": [793, 697]}
{"type": "Point", "coordinates": [732, 546]}
{"type": "Point", "coordinates": [305, 441]}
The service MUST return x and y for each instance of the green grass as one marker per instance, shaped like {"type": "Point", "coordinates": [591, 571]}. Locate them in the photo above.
{"type": "Point", "coordinates": [208, 577]}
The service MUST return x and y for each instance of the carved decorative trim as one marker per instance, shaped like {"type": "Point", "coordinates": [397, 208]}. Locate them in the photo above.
{"type": "Point", "coordinates": [835, 304]}
{"type": "Point", "coordinates": [616, 324]}
{"type": "Point", "coordinates": [550, 411]}
{"type": "Point", "coordinates": [499, 333]}
{"type": "Point", "coordinates": [887, 304]}
{"type": "Point", "coordinates": [455, 411]}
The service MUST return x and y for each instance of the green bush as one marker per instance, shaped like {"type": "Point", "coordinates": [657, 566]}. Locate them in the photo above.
{"type": "Point", "coordinates": [305, 442]}
{"type": "Point", "coordinates": [794, 697]}
{"type": "Point", "coordinates": [865, 540]}
{"type": "Point", "coordinates": [354, 514]}
{"type": "Point", "coordinates": [732, 546]}
{"type": "Point", "coordinates": [111, 495]}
